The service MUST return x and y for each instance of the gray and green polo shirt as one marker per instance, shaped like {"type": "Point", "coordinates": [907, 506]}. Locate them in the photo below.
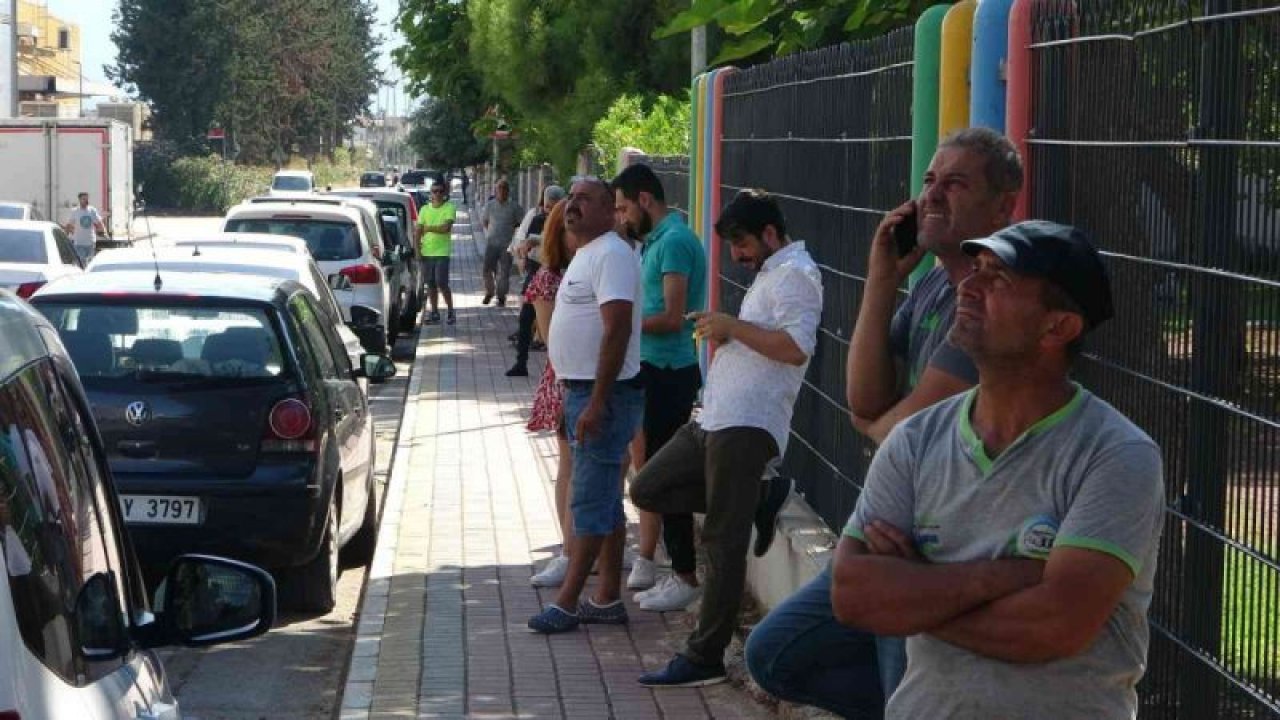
{"type": "Point", "coordinates": [1083, 477]}
{"type": "Point", "coordinates": [918, 332]}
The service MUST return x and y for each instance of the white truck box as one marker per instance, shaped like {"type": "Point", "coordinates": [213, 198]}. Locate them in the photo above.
{"type": "Point", "coordinates": [48, 161]}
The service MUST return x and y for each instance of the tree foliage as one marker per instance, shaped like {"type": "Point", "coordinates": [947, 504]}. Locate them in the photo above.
{"type": "Point", "coordinates": [759, 29]}
{"type": "Point", "coordinates": [294, 79]}
{"type": "Point", "coordinates": [549, 69]}
{"type": "Point", "coordinates": [660, 127]}
{"type": "Point", "coordinates": [442, 135]}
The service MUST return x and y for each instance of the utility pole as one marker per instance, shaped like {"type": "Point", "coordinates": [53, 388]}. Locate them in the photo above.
{"type": "Point", "coordinates": [9, 63]}
{"type": "Point", "coordinates": [698, 51]}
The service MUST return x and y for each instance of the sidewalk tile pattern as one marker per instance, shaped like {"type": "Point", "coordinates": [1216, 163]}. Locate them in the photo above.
{"type": "Point", "coordinates": [469, 511]}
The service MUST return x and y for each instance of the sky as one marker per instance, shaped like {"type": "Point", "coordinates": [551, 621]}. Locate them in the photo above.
{"type": "Point", "coordinates": [94, 17]}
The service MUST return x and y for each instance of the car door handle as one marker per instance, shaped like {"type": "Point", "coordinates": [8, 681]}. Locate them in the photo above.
{"type": "Point", "coordinates": [137, 448]}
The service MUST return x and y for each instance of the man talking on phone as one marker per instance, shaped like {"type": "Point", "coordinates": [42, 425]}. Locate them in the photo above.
{"type": "Point", "coordinates": [899, 362]}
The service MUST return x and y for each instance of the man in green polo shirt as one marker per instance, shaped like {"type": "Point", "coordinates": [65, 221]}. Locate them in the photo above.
{"type": "Point", "coordinates": [1012, 531]}
{"type": "Point", "coordinates": [435, 232]}
{"type": "Point", "coordinates": [674, 277]}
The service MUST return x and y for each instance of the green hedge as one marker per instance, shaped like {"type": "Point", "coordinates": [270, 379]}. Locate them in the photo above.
{"type": "Point", "coordinates": [206, 184]}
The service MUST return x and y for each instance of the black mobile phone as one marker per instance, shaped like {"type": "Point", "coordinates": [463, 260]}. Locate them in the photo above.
{"type": "Point", "coordinates": [905, 232]}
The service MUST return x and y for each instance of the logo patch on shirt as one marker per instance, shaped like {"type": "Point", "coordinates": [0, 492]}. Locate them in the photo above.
{"type": "Point", "coordinates": [927, 534]}
{"type": "Point", "coordinates": [1035, 538]}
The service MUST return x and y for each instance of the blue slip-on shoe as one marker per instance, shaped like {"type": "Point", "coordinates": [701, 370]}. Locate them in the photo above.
{"type": "Point", "coordinates": [615, 613]}
{"type": "Point", "coordinates": [553, 619]}
{"type": "Point", "coordinates": [682, 672]}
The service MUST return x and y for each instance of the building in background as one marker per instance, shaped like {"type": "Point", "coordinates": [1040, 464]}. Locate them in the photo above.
{"type": "Point", "coordinates": [50, 72]}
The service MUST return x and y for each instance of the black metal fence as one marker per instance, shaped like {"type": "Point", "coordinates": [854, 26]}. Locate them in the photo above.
{"type": "Point", "coordinates": [1157, 126]}
{"type": "Point", "coordinates": [829, 134]}
{"type": "Point", "coordinates": [673, 170]}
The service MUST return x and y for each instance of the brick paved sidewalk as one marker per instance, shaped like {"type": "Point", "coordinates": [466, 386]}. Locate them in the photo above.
{"type": "Point", "coordinates": [469, 511]}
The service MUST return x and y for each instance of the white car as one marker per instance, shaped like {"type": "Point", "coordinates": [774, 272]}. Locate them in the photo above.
{"type": "Point", "coordinates": [344, 241]}
{"type": "Point", "coordinates": [19, 211]}
{"type": "Point", "coordinates": [244, 241]}
{"type": "Point", "coordinates": [230, 259]}
{"type": "Point", "coordinates": [288, 183]}
{"type": "Point", "coordinates": [77, 630]}
{"type": "Point", "coordinates": [33, 253]}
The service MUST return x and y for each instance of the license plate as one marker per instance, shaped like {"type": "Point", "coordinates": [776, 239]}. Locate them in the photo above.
{"type": "Point", "coordinates": [160, 509]}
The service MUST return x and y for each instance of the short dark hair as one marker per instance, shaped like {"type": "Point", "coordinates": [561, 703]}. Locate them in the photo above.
{"type": "Point", "coordinates": [749, 213]}
{"type": "Point", "coordinates": [638, 178]}
{"type": "Point", "coordinates": [438, 182]}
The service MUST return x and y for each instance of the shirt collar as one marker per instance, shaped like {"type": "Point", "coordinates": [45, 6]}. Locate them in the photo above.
{"type": "Point", "coordinates": [782, 255]}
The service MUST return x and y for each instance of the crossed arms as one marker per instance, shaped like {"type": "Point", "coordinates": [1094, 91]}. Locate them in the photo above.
{"type": "Point", "coordinates": [1012, 609]}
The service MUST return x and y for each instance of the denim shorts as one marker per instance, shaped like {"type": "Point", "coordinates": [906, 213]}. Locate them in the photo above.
{"type": "Point", "coordinates": [597, 462]}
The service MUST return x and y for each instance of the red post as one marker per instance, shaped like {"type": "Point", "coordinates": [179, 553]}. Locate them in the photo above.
{"type": "Point", "coordinates": [1018, 106]}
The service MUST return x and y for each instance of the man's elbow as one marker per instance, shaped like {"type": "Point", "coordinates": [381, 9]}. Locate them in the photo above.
{"type": "Point", "coordinates": [855, 603]}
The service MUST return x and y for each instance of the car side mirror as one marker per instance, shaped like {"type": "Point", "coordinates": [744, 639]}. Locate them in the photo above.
{"type": "Point", "coordinates": [208, 600]}
{"type": "Point", "coordinates": [102, 634]}
{"type": "Point", "coordinates": [377, 367]}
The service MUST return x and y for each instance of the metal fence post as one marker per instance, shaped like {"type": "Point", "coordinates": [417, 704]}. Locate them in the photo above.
{"type": "Point", "coordinates": [1217, 342]}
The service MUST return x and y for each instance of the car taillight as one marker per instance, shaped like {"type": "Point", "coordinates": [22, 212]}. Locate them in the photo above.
{"type": "Point", "coordinates": [362, 274]}
{"type": "Point", "coordinates": [289, 428]}
{"type": "Point", "coordinates": [26, 290]}
{"type": "Point", "coordinates": [10, 715]}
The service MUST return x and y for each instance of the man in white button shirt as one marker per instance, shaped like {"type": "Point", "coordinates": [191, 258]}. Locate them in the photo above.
{"type": "Point", "coordinates": [715, 464]}
{"type": "Point", "coordinates": [595, 349]}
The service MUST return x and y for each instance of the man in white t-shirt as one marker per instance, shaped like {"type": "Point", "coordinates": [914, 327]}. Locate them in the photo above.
{"type": "Point", "coordinates": [84, 225]}
{"type": "Point", "coordinates": [595, 349]}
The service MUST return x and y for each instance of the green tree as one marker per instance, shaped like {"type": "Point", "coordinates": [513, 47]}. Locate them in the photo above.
{"type": "Point", "coordinates": [760, 29]}
{"type": "Point", "coordinates": [660, 127]}
{"type": "Point", "coordinates": [442, 136]}
{"type": "Point", "coordinates": [174, 55]}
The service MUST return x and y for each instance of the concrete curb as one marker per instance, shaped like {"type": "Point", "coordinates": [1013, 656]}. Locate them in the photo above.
{"type": "Point", "coordinates": [357, 693]}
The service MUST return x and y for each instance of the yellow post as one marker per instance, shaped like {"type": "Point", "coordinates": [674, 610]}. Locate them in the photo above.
{"type": "Point", "coordinates": [953, 80]}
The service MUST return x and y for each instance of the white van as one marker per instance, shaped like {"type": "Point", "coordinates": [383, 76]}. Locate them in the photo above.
{"type": "Point", "coordinates": [287, 183]}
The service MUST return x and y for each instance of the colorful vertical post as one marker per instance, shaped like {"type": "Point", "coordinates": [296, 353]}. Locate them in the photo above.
{"type": "Point", "coordinates": [990, 50]}
{"type": "Point", "coordinates": [1018, 116]}
{"type": "Point", "coordinates": [957, 49]}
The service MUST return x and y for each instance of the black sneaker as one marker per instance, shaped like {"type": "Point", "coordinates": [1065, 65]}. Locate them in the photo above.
{"type": "Point", "coordinates": [502, 302]}
{"type": "Point", "coordinates": [452, 318]}
{"type": "Point", "coordinates": [681, 672]}
{"type": "Point", "coordinates": [432, 319]}
{"type": "Point", "coordinates": [486, 299]}
{"type": "Point", "coordinates": [538, 346]}
{"type": "Point", "coordinates": [518, 370]}
{"type": "Point", "coordinates": [777, 490]}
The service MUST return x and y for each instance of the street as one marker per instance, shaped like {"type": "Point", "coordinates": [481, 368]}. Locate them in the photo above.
{"type": "Point", "coordinates": [297, 669]}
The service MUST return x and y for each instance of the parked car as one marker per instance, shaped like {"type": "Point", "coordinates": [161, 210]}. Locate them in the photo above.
{"type": "Point", "coordinates": [345, 244]}
{"type": "Point", "coordinates": [245, 241]}
{"type": "Point", "coordinates": [232, 421]}
{"type": "Point", "coordinates": [405, 208]}
{"type": "Point", "coordinates": [76, 626]}
{"type": "Point", "coordinates": [19, 211]}
{"type": "Point", "coordinates": [288, 183]}
{"type": "Point", "coordinates": [397, 258]}
{"type": "Point", "coordinates": [373, 180]}
{"type": "Point", "coordinates": [419, 178]}
{"type": "Point", "coordinates": [211, 257]}
{"type": "Point", "coordinates": [32, 253]}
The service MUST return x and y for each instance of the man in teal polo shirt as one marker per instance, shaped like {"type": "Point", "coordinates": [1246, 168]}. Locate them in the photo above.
{"type": "Point", "coordinates": [674, 277]}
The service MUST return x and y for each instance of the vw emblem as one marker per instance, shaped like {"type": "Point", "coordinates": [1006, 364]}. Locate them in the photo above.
{"type": "Point", "coordinates": [137, 413]}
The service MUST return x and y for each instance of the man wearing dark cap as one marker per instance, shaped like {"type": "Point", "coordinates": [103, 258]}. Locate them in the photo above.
{"type": "Point", "coordinates": [1012, 531]}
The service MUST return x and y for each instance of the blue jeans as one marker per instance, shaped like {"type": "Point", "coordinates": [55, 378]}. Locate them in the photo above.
{"type": "Point", "coordinates": [597, 461]}
{"type": "Point", "coordinates": [801, 653]}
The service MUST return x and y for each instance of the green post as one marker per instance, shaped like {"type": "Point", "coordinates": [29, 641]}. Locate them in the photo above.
{"type": "Point", "coordinates": [924, 104]}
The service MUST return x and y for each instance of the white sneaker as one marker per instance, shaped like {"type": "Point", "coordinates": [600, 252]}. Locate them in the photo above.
{"type": "Point", "coordinates": [657, 588]}
{"type": "Point", "coordinates": [553, 574]}
{"type": "Point", "coordinates": [676, 594]}
{"type": "Point", "coordinates": [643, 574]}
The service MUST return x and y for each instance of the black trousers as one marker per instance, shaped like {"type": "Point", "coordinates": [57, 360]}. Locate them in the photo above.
{"type": "Point", "coordinates": [524, 333]}
{"type": "Point", "coordinates": [669, 395]}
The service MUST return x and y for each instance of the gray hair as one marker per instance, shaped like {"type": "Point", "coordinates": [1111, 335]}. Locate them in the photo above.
{"type": "Point", "coordinates": [1003, 166]}
{"type": "Point", "coordinates": [552, 194]}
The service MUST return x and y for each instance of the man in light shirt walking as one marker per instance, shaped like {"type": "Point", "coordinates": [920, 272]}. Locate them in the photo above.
{"type": "Point", "coordinates": [715, 464]}
{"type": "Point", "coordinates": [84, 225]}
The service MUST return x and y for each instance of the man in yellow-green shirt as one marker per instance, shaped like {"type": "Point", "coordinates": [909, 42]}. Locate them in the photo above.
{"type": "Point", "coordinates": [435, 227]}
